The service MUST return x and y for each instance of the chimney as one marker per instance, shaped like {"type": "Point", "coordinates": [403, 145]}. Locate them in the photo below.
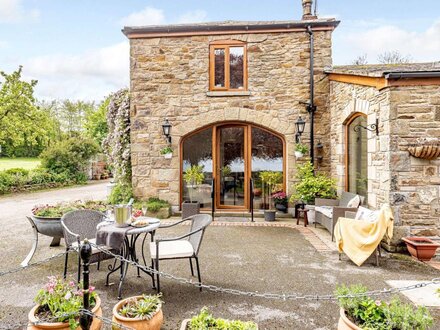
{"type": "Point", "coordinates": [307, 10]}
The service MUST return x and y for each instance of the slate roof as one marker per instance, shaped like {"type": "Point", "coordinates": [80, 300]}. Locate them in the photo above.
{"type": "Point", "coordinates": [381, 70]}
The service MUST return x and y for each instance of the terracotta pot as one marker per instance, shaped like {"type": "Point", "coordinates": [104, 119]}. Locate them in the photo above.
{"type": "Point", "coordinates": [137, 324]}
{"type": "Point", "coordinates": [421, 248]}
{"type": "Point", "coordinates": [96, 324]}
{"type": "Point", "coordinates": [344, 323]}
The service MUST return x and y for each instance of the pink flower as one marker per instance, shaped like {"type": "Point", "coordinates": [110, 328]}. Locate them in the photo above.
{"type": "Point", "coordinates": [72, 284]}
{"type": "Point", "coordinates": [378, 302]}
{"type": "Point", "coordinates": [91, 288]}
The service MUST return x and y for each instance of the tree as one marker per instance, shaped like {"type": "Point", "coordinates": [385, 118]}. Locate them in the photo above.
{"type": "Point", "coordinates": [360, 60]}
{"type": "Point", "coordinates": [393, 57]}
{"type": "Point", "coordinates": [95, 122]}
{"type": "Point", "coordinates": [21, 122]}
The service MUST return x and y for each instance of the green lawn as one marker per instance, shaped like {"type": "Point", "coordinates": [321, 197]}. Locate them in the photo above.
{"type": "Point", "coordinates": [26, 163]}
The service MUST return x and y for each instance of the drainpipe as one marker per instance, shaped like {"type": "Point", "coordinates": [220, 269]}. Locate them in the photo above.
{"type": "Point", "coordinates": [311, 108]}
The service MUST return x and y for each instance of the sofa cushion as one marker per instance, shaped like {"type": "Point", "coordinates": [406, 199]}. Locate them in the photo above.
{"type": "Point", "coordinates": [366, 214]}
{"type": "Point", "coordinates": [172, 249]}
{"type": "Point", "coordinates": [325, 210]}
{"type": "Point", "coordinates": [354, 202]}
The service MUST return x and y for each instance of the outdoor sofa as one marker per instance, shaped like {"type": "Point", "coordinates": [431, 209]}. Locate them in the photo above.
{"type": "Point", "coordinates": [327, 211]}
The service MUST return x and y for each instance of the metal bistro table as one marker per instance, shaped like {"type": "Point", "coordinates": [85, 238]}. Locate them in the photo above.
{"type": "Point", "coordinates": [128, 249]}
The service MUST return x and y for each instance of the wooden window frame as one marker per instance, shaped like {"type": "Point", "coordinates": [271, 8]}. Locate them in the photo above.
{"type": "Point", "coordinates": [348, 122]}
{"type": "Point", "coordinates": [226, 45]}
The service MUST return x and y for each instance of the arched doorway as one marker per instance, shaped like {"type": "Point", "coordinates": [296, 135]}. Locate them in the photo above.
{"type": "Point", "coordinates": [231, 154]}
{"type": "Point", "coordinates": [356, 155]}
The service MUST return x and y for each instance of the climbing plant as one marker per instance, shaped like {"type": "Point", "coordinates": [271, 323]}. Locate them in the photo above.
{"type": "Point", "coordinates": [117, 143]}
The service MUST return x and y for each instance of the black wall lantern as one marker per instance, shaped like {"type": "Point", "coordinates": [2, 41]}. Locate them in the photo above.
{"type": "Point", "coordinates": [166, 128]}
{"type": "Point", "coordinates": [300, 124]}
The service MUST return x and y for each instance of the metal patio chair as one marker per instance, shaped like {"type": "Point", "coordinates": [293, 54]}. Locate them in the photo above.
{"type": "Point", "coordinates": [77, 226]}
{"type": "Point", "coordinates": [181, 247]}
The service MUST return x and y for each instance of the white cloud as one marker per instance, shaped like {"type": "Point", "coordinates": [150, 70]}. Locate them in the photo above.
{"type": "Point", "coordinates": [147, 16]}
{"type": "Point", "coordinates": [193, 16]}
{"type": "Point", "coordinates": [12, 11]}
{"type": "Point", "coordinates": [420, 46]}
{"type": "Point", "coordinates": [90, 76]}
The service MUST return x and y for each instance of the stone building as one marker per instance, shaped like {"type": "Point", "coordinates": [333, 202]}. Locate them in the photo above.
{"type": "Point", "coordinates": [232, 93]}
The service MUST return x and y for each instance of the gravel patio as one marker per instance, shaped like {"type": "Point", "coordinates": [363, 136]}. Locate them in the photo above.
{"type": "Point", "coordinates": [250, 258]}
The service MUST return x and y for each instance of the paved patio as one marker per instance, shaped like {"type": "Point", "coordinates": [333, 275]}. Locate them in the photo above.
{"type": "Point", "coordinates": [247, 257]}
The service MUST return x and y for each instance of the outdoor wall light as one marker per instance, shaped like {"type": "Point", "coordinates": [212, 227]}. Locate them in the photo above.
{"type": "Point", "coordinates": [300, 124]}
{"type": "Point", "coordinates": [372, 128]}
{"type": "Point", "coordinates": [166, 128]}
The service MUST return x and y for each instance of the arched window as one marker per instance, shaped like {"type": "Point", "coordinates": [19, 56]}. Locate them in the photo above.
{"type": "Point", "coordinates": [356, 155]}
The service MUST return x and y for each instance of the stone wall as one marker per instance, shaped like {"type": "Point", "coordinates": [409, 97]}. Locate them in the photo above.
{"type": "Point", "coordinates": [170, 79]}
{"type": "Point", "coordinates": [410, 185]}
{"type": "Point", "coordinates": [415, 183]}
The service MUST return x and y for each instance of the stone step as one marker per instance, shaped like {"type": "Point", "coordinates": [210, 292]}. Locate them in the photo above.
{"type": "Point", "coordinates": [241, 214]}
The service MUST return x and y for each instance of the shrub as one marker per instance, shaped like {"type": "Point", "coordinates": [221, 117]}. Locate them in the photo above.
{"type": "Point", "coordinates": [205, 321]}
{"type": "Point", "coordinates": [17, 171]}
{"type": "Point", "coordinates": [69, 157]}
{"type": "Point", "coordinates": [375, 314]}
{"type": "Point", "coordinates": [311, 186]}
{"type": "Point", "coordinates": [121, 194]}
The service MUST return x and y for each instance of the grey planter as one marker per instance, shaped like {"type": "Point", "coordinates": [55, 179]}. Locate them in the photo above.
{"type": "Point", "coordinates": [269, 215]}
{"type": "Point", "coordinates": [50, 227]}
{"type": "Point", "coordinates": [189, 209]}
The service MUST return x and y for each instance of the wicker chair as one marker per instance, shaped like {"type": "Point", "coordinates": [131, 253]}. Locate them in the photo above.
{"type": "Point", "coordinates": [77, 226]}
{"type": "Point", "coordinates": [182, 247]}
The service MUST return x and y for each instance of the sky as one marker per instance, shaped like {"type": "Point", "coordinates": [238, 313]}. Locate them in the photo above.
{"type": "Point", "coordinates": [76, 50]}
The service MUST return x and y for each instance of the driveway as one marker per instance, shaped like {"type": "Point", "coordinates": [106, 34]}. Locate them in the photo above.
{"type": "Point", "coordinates": [13, 224]}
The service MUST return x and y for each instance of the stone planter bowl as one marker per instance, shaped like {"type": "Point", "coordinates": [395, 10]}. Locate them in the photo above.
{"type": "Point", "coordinates": [50, 227]}
{"type": "Point", "coordinates": [421, 248]}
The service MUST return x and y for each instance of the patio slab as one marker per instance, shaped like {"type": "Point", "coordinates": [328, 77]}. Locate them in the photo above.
{"type": "Point", "coordinates": [425, 296]}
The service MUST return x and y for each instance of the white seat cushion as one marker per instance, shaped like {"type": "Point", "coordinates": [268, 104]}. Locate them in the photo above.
{"type": "Point", "coordinates": [173, 249]}
{"type": "Point", "coordinates": [326, 210]}
{"type": "Point", "coordinates": [366, 214]}
{"type": "Point", "coordinates": [94, 250]}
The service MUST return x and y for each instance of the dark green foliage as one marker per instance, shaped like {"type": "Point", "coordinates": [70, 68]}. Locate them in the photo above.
{"type": "Point", "coordinates": [380, 315]}
{"type": "Point", "coordinates": [69, 157]}
{"type": "Point", "coordinates": [121, 194]}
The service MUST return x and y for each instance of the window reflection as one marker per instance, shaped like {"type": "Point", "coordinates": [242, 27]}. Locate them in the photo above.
{"type": "Point", "coordinates": [197, 150]}
{"type": "Point", "coordinates": [219, 66]}
{"type": "Point", "coordinates": [236, 56]}
{"type": "Point", "coordinates": [357, 157]}
{"type": "Point", "coordinates": [267, 155]}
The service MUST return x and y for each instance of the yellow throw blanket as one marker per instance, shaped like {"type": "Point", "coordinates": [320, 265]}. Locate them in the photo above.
{"type": "Point", "coordinates": [359, 238]}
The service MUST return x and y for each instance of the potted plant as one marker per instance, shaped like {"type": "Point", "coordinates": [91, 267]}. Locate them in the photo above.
{"type": "Point", "coordinates": [300, 150]}
{"type": "Point", "coordinates": [193, 177]}
{"type": "Point", "coordinates": [269, 181]}
{"type": "Point", "coordinates": [364, 312]}
{"type": "Point", "coordinates": [421, 248]}
{"type": "Point", "coordinates": [281, 201]}
{"type": "Point", "coordinates": [139, 313]}
{"type": "Point", "coordinates": [204, 320]}
{"type": "Point", "coordinates": [167, 152]}
{"type": "Point", "coordinates": [58, 298]}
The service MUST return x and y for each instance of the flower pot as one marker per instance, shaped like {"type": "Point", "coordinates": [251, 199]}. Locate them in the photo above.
{"type": "Point", "coordinates": [96, 324]}
{"type": "Point", "coordinates": [421, 248]}
{"type": "Point", "coordinates": [189, 209]}
{"type": "Point", "coordinates": [168, 156]}
{"type": "Point", "coordinates": [269, 215]}
{"type": "Point", "coordinates": [137, 324]}
{"type": "Point", "coordinates": [281, 208]}
{"type": "Point", "coordinates": [49, 227]}
{"type": "Point", "coordinates": [344, 323]}
{"type": "Point", "coordinates": [298, 154]}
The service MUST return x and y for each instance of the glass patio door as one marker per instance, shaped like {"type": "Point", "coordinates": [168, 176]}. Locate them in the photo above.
{"type": "Point", "coordinates": [231, 163]}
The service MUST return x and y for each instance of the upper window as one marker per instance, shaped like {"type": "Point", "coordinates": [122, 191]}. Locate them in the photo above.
{"type": "Point", "coordinates": [228, 70]}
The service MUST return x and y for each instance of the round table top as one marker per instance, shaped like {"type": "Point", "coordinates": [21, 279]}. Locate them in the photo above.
{"type": "Point", "coordinates": [133, 230]}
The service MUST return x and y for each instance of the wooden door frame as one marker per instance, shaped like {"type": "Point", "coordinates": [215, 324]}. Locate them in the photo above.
{"type": "Point", "coordinates": [247, 165]}
{"type": "Point", "coordinates": [248, 154]}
